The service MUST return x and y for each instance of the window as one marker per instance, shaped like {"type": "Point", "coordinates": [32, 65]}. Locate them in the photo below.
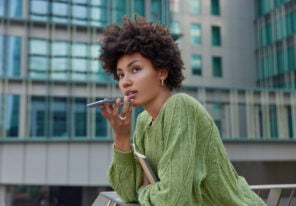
{"type": "Point", "coordinates": [59, 117]}
{"type": "Point", "coordinates": [217, 66]}
{"type": "Point", "coordinates": [101, 125]}
{"type": "Point", "coordinates": [2, 55]}
{"type": "Point", "coordinates": [10, 56]}
{"type": "Point", "coordinates": [79, 61]}
{"type": "Point", "coordinates": [155, 11]}
{"type": "Point", "coordinates": [118, 10]}
{"type": "Point", "coordinates": [11, 8]}
{"type": "Point", "coordinates": [196, 64]}
{"type": "Point", "coordinates": [215, 7]}
{"type": "Point", "coordinates": [195, 6]}
{"type": "Point", "coordinates": [79, 13]}
{"type": "Point", "coordinates": [61, 60]}
{"type": "Point", "coordinates": [60, 11]}
{"type": "Point", "coordinates": [9, 106]}
{"type": "Point", "coordinates": [195, 34]}
{"type": "Point", "coordinates": [38, 117]}
{"type": "Point", "coordinates": [175, 28]}
{"type": "Point", "coordinates": [139, 7]}
{"type": "Point", "coordinates": [38, 58]}
{"type": "Point", "coordinates": [79, 117]}
{"type": "Point", "coordinates": [216, 36]}
{"type": "Point", "coordinates": [39, 10]}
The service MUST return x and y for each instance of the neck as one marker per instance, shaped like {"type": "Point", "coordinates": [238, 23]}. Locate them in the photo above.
{"type": "Point", "coordinates": [154, 107]}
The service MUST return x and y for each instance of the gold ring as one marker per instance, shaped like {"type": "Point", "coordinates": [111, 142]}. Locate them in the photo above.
{"type": "Point", "coordinates": [122, 117]}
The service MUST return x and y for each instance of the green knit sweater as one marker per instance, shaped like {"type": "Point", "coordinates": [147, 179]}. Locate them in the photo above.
{"type": "Point", "coordinates": [186, 152]}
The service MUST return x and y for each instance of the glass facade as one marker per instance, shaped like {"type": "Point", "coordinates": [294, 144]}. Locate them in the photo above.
{"type": "Point", "coordinates": [61, 117]}
{"type": "Point", "coordinates": [49, 69]}
{"type": "Point", "coordinates": [276, 47]}
{"type": "Point", "coordinates": [63, 60]}
{"type": "Point", "coordinates": [93, 12]}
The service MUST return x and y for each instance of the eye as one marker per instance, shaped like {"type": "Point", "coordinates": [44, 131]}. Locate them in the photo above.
{"type": "Point", "coordinates": [136, 69]}
{"type": "Point", "coordinates": [120, 76]}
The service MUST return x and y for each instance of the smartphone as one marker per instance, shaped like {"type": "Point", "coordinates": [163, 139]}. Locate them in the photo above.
{"type": "Point", "coordinates": [104, 101]}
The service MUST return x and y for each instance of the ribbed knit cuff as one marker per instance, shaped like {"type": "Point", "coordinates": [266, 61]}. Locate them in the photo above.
{"type": "Point", "coordinates": [123, 158]}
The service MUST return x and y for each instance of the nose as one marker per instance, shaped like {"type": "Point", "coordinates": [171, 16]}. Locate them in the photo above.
{"type": "Point", "coordinates": [125, 81]}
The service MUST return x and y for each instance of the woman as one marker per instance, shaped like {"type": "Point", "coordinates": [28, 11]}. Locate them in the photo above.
{"type": "Point", "coordinates": [175, 133]}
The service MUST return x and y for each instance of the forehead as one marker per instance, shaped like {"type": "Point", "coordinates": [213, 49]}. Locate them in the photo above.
{"type": "Point", "coordinates": [128, 59]}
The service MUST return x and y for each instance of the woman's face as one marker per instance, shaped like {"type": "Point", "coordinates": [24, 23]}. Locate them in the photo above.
{"type": "Point", "coordinates": [138, 79]}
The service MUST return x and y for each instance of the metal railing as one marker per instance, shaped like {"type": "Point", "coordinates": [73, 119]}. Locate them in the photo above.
{"type": "Point", "coordinates": [274, 195]}
{"type": "Point", "coordinates": [277, 194]}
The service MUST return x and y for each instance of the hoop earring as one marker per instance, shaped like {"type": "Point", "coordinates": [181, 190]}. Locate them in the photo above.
{"type": "Point", "coordinates": [162, 82]}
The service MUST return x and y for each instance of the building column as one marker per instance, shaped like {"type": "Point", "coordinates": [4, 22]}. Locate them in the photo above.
{"type": "Point", "coordinates": [5, 197]}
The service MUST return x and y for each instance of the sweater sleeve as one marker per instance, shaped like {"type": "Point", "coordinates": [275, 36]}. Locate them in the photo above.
{"type": "Point", "coordinates": [122, 175]}
{"type": "Point", "coordinates": [176, 166]}
{"type": "Point", "coordinates": [233, 189]}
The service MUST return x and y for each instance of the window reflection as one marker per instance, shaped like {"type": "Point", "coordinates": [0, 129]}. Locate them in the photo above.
{"type": "Point", "coordinates": [139, 7]}
{"type": "Point", "coordinates": [101, 125]}
{"type": "Point", "coordinates": [91, 12]}
{"type": "Point", "coordinates": [79, 13]}
{"type": "Point", "coordinates": [38, 67]}
{"type": "Point", "coordinates": [195, 6]}
{"type": "Point", "coordinates": [60, 117]}
{"type": "Point", "coordinates": [196, 64]}
{"type": "Point", "coordinates": [79, 50]}
{"type": "Point", "coordinates": [38, 47]}
{"type": "Point", "coordinates": [79, 116]}
{"type": "Point", "coordinates": [39, 10]}
{"type": "Point", "coordinates": [11, 8]}
{"type": "Point", "coordinates": [38, 117]}
{"type": "Point", "coordinates": [60, 12]}
{"type": "Point", "coordinates": [10, 56]}
{"type": "Point", "coordinates": [155, 11]}
{"type": "Point", "coordinates": [59, 48]}
{"type": "Point", "coordinates": [9, 125]}
{"type": "Point", "coordinates": [1, 55]}
{"type": "Point", "coordinates": [14, 56]}
{"type": "Point", "coordinates": [15, 8]}
{"type": "Point", "coordinates": [195, 33]}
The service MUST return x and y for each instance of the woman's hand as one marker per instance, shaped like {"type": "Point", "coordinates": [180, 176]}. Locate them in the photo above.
{"type": "Point", "coordinates": [120, 123]}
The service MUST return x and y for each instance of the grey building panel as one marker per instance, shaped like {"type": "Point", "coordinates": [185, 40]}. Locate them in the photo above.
{"type": "Point", "coordinates": [12, 163]}
{"type": "Point", "coordinates": [35, 167]}
{"type": "Point", "coordinates": [58, 161]}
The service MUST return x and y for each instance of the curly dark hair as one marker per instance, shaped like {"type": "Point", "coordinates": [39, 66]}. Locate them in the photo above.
{"type": "Point", "coordinates": [153, 42]}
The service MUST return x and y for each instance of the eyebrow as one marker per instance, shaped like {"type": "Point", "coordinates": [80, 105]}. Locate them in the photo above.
{"type": "Point", "coordinates": [129, 64]}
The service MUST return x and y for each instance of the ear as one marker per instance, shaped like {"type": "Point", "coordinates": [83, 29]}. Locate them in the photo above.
{"type": "Point", "coordinates": [163, 73]}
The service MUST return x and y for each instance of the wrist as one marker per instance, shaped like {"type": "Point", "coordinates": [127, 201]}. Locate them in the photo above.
{"type": "Point", "coordinates": [123, 145]}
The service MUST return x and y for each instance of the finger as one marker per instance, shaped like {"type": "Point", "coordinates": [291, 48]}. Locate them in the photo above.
{"type": "Point", "coordinates": [125, 107]}
{"type": "Point", "coordinates": [104, 111]}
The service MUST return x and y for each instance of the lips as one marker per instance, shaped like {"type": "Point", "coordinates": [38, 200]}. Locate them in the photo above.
{"type": "Point", "coordinates": [131, 94]}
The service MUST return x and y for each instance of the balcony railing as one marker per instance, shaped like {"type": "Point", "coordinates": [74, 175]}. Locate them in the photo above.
{"type": "Point", "coordinates": [278, 195]}
{"type": "Point", "coordinates": [274, 195]}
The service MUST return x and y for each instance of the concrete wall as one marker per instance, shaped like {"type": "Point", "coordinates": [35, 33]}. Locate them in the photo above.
{"type": "Point", "coordinates": [86, 163]}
